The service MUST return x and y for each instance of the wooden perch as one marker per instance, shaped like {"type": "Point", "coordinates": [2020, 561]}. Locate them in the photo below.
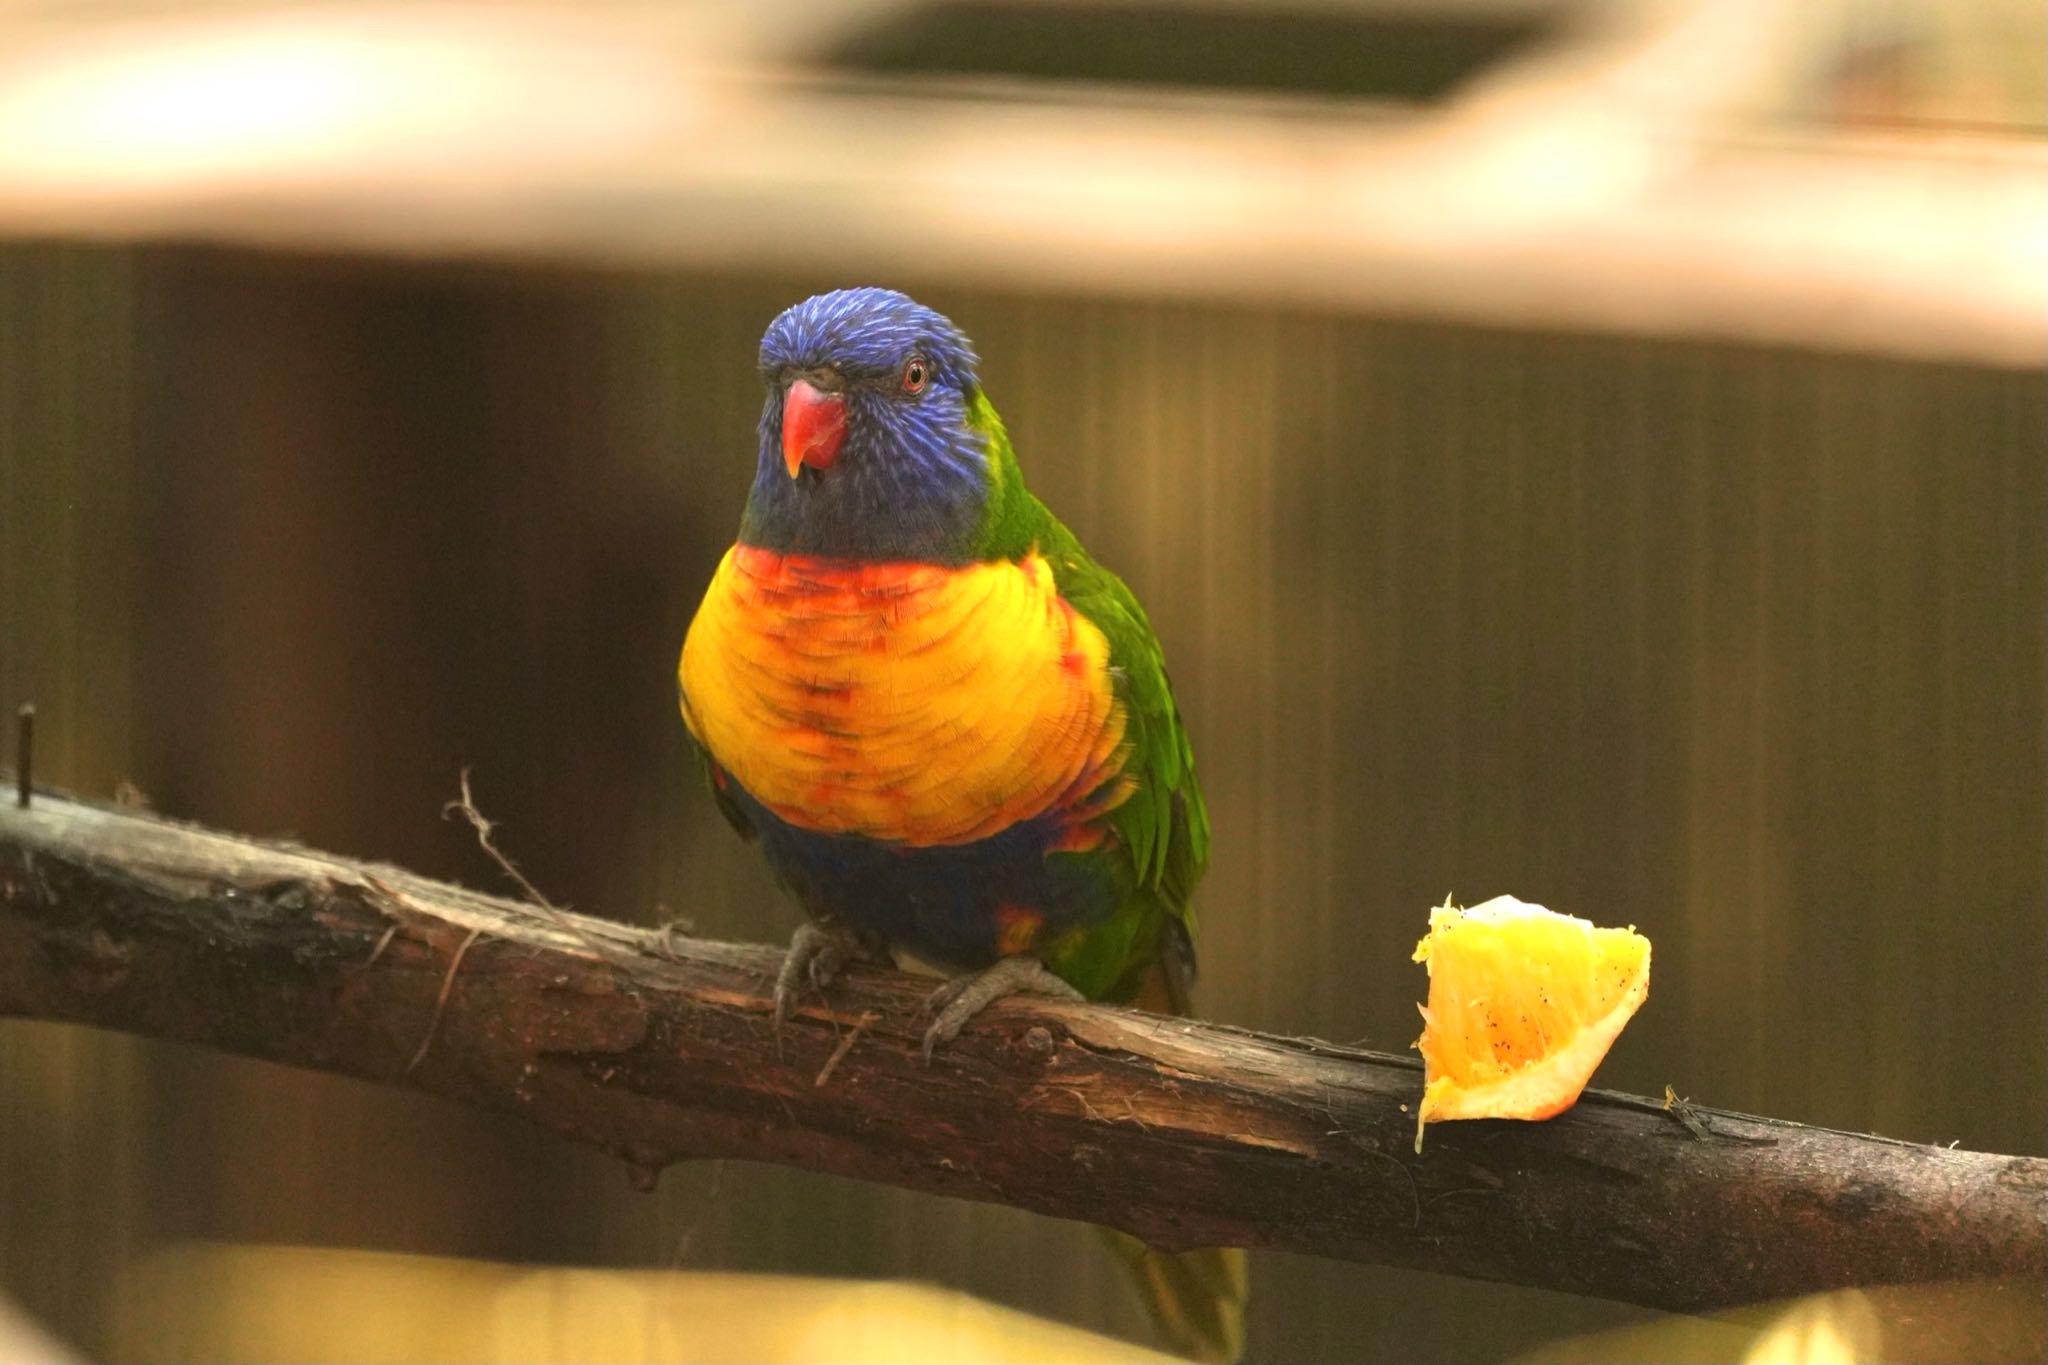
{"type": "Point", "coordinates": [1186, 1134]}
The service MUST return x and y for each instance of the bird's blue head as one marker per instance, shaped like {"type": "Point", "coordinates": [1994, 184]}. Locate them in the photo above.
{"type": "Point", "coordinates": [867, 450]}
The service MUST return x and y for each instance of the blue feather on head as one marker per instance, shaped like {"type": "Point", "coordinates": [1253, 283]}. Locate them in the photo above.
{"type": "Point", "coordinates": [906, 476]}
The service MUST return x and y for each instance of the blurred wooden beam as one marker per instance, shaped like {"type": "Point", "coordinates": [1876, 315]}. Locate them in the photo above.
{"type": "Point", "coordinates": [1184, 1133]}
{"type": "Point", "coordinates": [24, 1341]}
{"type": "Point", "coordinates": [1623, 181]}
{"type": "Point", "coordinates": [254, 1303]}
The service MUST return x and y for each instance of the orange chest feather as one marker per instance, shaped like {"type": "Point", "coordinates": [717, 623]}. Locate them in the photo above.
{"type": "Point", "coordinates": [906, 702]}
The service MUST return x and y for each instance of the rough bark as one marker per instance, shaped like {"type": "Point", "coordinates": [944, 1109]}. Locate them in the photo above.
{"type": "Point", "coordinates": [1184, 1133]}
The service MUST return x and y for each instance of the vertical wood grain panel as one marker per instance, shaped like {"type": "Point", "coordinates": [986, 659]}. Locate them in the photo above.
{"type": "Point", "coordinates": [1742, 646]}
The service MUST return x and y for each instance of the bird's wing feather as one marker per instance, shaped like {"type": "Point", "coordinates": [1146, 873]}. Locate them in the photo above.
{"type": "Point", "coordinates": [1164, 826]}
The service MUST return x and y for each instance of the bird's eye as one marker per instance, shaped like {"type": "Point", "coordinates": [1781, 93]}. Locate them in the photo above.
{"type": "Point", "coordinates": [915, 374]}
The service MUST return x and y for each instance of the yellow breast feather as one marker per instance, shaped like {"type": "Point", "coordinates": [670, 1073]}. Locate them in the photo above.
{"type": "Point", "coordinates": [907, 702]}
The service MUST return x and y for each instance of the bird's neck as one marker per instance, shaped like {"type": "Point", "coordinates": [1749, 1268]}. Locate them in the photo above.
{"type": "Point", "coordinates": [857, 511]}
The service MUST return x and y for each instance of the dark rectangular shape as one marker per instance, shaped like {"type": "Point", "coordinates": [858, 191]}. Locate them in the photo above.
{"type": "Point", "coordinates": [1412, 57]}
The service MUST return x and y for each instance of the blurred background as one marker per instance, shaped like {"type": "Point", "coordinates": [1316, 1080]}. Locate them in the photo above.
{"type": "Point", "coordinates": [1594, 451]}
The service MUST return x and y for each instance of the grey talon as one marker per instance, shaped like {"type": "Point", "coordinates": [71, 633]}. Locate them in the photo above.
{"type": "Point", "coordinates": [961, 998]}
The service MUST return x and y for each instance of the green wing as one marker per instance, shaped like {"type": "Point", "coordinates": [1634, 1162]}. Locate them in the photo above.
{"type": "Point", "coordinates": [1164, 825]}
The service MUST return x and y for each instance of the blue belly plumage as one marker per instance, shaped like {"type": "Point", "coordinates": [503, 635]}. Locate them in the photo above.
{"type": "Point", "coordinates": [949, 904]}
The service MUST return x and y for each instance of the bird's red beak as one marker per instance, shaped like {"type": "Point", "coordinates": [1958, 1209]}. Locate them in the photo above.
{"type": "Point", "coordinates": [813, 424]}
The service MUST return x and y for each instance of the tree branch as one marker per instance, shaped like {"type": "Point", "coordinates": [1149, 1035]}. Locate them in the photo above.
{"type": "Point", "coordinates": [1186, 1134]}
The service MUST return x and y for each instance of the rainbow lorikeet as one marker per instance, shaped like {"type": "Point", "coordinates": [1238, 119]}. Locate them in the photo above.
{"type": "Point", "coordinates": [950, 730]}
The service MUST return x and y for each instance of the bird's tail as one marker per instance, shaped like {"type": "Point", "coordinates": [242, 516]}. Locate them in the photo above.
{"type": "Point", "coordinates": [1196, 1299]}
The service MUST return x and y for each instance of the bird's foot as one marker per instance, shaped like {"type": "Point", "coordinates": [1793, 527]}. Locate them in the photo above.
{"type": "Point", "coordinates": [967, 995]}
{"type": "Point", "coordinates": [817, 952]}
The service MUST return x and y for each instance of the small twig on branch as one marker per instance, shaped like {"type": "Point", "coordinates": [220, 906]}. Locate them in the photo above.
{"type": "Point", "coordinates": [1184, 1134]}
{"type": "Point", "coordinates": [1682, 1113]}
{"type": "Point", "coordinates": [486, 831]}
{"type": "Point", "coordinates": [440, 1000]}
{"type": "Point", "coordinates": [845, 1046]}
{"type": "Point", "coordinates": [382, 944]}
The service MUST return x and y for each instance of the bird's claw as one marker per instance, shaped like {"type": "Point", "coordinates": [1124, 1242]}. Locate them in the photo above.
{"type": "Point", "coordinates": [817, 953]}
{"type": "Point", "coordinates": [962, 997]}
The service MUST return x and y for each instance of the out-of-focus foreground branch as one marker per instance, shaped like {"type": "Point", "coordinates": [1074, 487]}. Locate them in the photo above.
{"type": "Point", "coordinates": [1183, 1133]}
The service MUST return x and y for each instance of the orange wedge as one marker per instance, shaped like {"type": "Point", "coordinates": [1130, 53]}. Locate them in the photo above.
{"type": "Point", "coordinates": [1523, 1004]}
